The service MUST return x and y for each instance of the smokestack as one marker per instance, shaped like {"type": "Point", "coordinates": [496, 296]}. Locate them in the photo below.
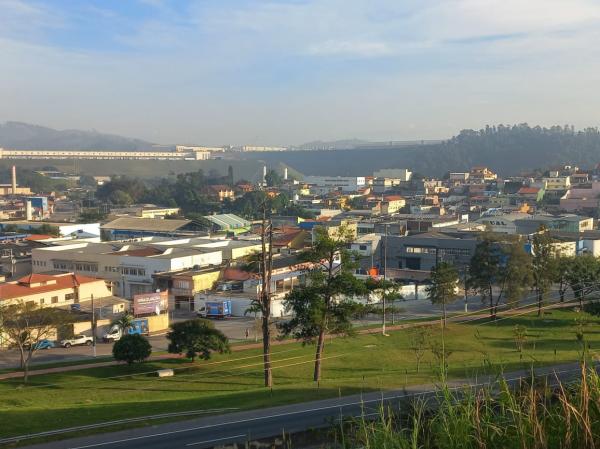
{"type": "Point", "coordinates": [28, 211]}
{"type": "Point", "coordinates": [14, 180]}
{"type": "Point", "coordinates": [264, 173]}
{"type": "Point", "coordinates": [285, 174]}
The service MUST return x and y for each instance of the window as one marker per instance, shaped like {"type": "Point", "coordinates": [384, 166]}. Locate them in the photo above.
{"type": "Point", "coordinates": [69, 297]}
{"type": "Point", "coordinates": [42, 300]}
{"type": "Point", "coordinates": [362, 247]}
{"type": "Point", "coordinates": [182, 284]}
{"type": "Point", "coordinates": [54, 299]}
{"type": "Point", "coordinates": [420, 250]}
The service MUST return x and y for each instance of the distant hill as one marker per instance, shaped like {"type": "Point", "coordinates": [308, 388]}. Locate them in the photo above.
{"type": "Point", "coordinates": [24, 136]}
{"type": "Point", "coordinates": [332, 145]}
{"type": "Point", "coordinates": [509, 150]}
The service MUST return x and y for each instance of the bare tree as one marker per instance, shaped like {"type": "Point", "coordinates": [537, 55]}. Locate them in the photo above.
{"type": "Point", "coordinates": [418, 341]}
{"type": "Point", "coordinates": [26, 325]}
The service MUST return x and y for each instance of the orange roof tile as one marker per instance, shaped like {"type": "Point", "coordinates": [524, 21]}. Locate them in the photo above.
{"type": "Point", "coordinates": [23, 288]}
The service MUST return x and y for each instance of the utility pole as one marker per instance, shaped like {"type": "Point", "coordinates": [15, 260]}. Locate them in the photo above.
{"type": "Point", "coordinates": [466, 288]}
{"type": "Point", "coordinates": [265, 294]}
{"type": "Point", "coordinates": [384, 280]}
{"type": "Point", "coordinates": [93, 327]}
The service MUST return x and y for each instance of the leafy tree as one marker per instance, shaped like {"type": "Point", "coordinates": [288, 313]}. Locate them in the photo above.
{"type": "Point", "coordinates": [273, 179]}
{"type": "Point", "coordinates": [325, 305]}
{"type": "Point", "coordinates": [561, 269]}
{"type": "Point", "coordinates": [387, 291]}
{"type": "Point", "coordinates": [485, 269]}
{"type": "Point", "coordinates": [444, 282]}
{"type": "Point", "coordinates": [87, 180]}
{"type": "Point", "coordinates": [91, 216]}
{"type": "Point", "coordinates": [196, 338]}
{"type": "Point", "coordinates": [583, 275]}
{"type": "Point", "coordinates": [132, 348]}
{"type": "Point", "coordinates": [543, 266]}
{"type": "Point", "coordinates": [121, 198]}
{"type": "Point", "coordinates": [501, 264]}
{"type": "Point", "coordinates": [47, 230]}
{"type": "Point", "coordinates": [517, 272]}
{"type": "Point", "coordinates": [133, 188]}
{"type": "Point", "coordinates": [124, 322]}
{"type": "Point", "coordinates": [25, 325]}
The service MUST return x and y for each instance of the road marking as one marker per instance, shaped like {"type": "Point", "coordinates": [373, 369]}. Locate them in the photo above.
{"type": "Point", "coordinates": [217, 439]}
{"type": "Point", "coordinates": [297, 412]}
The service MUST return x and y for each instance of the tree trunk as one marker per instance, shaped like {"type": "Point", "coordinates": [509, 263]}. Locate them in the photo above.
{"type": "Point", "coordinates": [539, 301]}
{"type": "Point", "coordinates": [22, 355]}
{"type": "Point", "coordinates": [319, 355]}
{"type": "Point", "coordinates": [492, 309]}
{"type": "Point", "coordinates": [267, 351]}
{"type": "Point", "coordinates": [444, 311]}
{"type": "Point", "coordinates": [26, 370]}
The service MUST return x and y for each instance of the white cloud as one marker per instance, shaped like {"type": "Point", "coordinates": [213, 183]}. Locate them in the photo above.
{"type": "Point", "coordinates": [350, 48]}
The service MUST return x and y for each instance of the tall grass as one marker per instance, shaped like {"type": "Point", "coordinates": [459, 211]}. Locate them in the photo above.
{"type": "Point", "coordinates": [536, 414]}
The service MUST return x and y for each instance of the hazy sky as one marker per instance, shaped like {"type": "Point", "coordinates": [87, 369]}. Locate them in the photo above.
{"type": "Point", "coordinates": [281, 72]}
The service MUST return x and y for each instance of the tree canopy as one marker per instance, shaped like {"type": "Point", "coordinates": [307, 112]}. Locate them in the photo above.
{"type": "Point", "coordinates": [325, 304]}
{"type": "Point", "coordinates": [196, 338]}
{"type": "Point", "coordinates": [131, 349]}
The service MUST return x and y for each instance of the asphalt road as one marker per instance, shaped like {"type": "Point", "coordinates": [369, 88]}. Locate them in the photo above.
{"type": "Point", "coordinates": [272, 422]}
{"type": "Point", "coordinates": [235, 328]}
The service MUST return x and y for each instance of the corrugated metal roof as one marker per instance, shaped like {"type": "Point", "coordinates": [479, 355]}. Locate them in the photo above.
{"type": "Point", "coordinates": [146, 224]}
{"type": "Point", "coordinates": [228, 221]}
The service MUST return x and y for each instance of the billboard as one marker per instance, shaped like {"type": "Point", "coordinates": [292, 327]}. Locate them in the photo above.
{"type": "Point", "coordinates": [148, 303]}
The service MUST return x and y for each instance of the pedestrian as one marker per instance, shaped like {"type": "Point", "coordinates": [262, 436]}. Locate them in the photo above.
{"type": "Point", "coordinates": [247, 333]}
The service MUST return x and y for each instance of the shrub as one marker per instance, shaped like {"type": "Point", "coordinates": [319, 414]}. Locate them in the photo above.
{"type": "Point", "coordinates": [131, 349]}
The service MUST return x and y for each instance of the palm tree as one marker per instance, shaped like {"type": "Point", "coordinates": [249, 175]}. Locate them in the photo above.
{"type": "Point", "coordinates": [124, 322]}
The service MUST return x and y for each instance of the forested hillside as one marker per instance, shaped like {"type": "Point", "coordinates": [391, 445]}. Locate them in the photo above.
{"type": "Point", "coordinates": [507, 149]}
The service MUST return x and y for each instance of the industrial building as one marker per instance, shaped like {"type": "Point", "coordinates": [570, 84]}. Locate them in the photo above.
{"type": "Point", "coordinates": [198, 155]}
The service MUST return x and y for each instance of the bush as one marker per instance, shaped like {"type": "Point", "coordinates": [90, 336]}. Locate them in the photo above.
{"type": "Point", "coordinates": [131, 349]}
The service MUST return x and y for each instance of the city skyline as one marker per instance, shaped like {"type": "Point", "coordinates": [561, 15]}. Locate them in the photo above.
{"type": "Point", "coordinates": [283, 73]}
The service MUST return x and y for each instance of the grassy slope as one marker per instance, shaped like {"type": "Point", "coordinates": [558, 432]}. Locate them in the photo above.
{"type": "Point", "coordinates": [364, 363]}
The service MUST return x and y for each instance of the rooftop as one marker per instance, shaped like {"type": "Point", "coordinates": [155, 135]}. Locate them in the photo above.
{"type": "Point", "coordinates": [146, 224]}
{"type": "Point", "coordinates": [41, 283]}
{"type": "Point", "coordinates": [228, 221]}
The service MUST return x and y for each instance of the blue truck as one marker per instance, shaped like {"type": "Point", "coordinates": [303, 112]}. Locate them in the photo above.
{"type": "Point", "coordinates": [216, 309]}
{"type": "Point", "coordinates": [138, 326]}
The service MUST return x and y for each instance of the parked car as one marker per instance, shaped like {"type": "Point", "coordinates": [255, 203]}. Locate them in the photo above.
{"type": "Point", "coordinates": [44, 344]}
{"type": "Point", "coordinates": [77, 340]}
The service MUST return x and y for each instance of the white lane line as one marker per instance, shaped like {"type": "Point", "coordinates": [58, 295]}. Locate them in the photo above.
{"type": "Point", "coordinates": [217, 439]}
{"type": "Point", "coordinates": [299, 412]}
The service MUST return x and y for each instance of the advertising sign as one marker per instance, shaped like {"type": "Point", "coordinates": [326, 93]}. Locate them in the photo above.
{"type": "Point", "coordinates": [147, 303]}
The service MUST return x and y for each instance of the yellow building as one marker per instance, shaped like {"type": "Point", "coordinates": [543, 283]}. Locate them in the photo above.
{"type": "Point", "coordinates": [46, 290]}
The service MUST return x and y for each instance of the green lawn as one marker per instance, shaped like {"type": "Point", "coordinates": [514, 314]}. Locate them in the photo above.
{"type": "Point", "coordinates": [365, 363]}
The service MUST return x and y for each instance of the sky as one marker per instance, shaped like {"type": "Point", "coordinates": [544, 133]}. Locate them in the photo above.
{"type": "Point", "coordinates": [275, 72]}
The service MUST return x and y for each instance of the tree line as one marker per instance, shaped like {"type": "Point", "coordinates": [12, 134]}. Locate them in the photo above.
{"type": "Point", "coordinates": [189, 192]}
{"type": "Point", "coordinates": [501, 271]}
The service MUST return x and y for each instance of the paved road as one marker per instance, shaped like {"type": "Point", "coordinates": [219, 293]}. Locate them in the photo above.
{"type": "Point", "coordinates": [235, 328]}
{"type": "Point", "coordinates": [250, 425]}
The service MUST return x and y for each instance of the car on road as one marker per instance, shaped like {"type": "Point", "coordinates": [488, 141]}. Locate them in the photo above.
{"type": "Point", "coordinates": [77, 340]}
{"type": "Point", "coordinates": [44, 344]}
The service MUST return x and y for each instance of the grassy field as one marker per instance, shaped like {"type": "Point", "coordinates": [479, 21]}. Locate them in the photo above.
{"type": "Point", "coordinates": [365, 363]}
